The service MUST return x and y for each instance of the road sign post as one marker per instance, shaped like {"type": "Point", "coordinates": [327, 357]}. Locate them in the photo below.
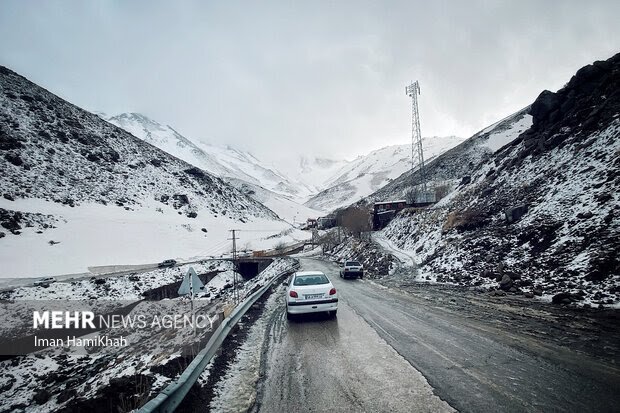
{"type": "Point", "coordinates": [191, 282]}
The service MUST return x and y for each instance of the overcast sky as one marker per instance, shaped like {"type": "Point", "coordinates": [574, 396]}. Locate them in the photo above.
{"type": "Point", "coordinates": [313, 77]}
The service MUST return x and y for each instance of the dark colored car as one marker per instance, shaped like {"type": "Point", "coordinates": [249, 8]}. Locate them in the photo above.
{"type": "Point", "coordinates": [44, 282]}
{"type": "Point", "coordinates": [167, 263]}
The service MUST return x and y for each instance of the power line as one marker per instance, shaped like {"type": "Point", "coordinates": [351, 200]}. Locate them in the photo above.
{"type": "Point", "coordinates": [216, 248]}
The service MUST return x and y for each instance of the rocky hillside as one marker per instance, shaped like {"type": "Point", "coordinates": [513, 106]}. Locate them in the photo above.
{"type": "Point", "coordinates": [56, 151]}
{"type": "Point", "coordinates": [76, 186]}
{"type": "Point", "coordinates": [541, 215]}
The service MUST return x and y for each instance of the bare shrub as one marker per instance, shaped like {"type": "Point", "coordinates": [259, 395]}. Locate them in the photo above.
{"type": "Point", "coordinates": [279, 248]}
{"type": "Point", "coordinates": [328, 241]}
{"type": "Point", "coordinates": [464, 220]}
{"type": "Point", "coordinates": [441, 191]}
{"type": "Point", "coordinates": [356, 220]}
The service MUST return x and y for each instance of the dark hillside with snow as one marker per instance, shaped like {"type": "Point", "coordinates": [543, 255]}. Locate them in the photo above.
{"type": "Point", "coordinates": [76, 186]}
{"type": "Point", "coordinates": [541, 215]}
{"type": "Point", "coordinates": [55, 151]}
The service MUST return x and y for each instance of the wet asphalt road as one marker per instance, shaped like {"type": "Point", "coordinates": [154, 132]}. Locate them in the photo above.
{"type": "Point", "coordinates": [389, 351]}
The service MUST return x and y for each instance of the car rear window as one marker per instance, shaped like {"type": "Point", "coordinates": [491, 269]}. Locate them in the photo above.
{"type": "Point", "coordinates": [352, 263]}
{"type": "Point", "coordinates": [310, 279]}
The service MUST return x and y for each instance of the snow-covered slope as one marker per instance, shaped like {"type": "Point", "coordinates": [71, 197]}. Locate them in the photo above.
{"type": "Point", "coordinates": [286, 208]}
{"type": "Point", "coordinates": [78, 191]}
{"type": "Point", "coordinates": [393, 161]}
{"type": "Point", "coordinates": [222, 161]}
{"type": "Point", "coordinates": [366, 174]}
{"type": "Point", "coordinates": [540, 215]}
{"type": "Point", "coordinates": [311, 172]}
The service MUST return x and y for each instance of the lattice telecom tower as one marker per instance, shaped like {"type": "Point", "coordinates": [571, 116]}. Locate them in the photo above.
{"type": "Point", "coordinates": [413, 90]}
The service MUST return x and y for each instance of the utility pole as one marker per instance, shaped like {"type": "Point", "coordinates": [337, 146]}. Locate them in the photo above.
{"type": "Point", "coordinates": [413, 90]}
{"type": "Point", "coordinates": [234, 257]}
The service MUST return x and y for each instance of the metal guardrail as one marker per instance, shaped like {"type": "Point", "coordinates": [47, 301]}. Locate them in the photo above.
{"type": "Point", "coordinates": [170, 398]}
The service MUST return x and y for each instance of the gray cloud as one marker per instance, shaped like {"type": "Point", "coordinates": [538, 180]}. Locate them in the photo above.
{"type": "Point", "coordinates": [324, 78]}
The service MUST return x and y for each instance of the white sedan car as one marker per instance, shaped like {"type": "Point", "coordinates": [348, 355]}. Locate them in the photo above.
{"type": "Point", "coordinates": [311, 292]}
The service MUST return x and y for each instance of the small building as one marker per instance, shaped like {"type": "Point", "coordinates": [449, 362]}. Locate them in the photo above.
{"type": "Point", "coordinates": [383, 212]}
{"type": "Point", "coordinates": [325, 222]}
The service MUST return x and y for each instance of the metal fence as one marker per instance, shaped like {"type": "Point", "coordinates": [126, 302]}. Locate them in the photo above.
{"type": "Point", "coordinates": [170, 398]}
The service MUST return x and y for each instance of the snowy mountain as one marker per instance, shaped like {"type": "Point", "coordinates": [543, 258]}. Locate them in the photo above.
{"type": "Point", "coordinates": [78, 191]}
{"type": "Point", "coordinates": [327, 183]}
{"type": "Point", "coordinates": [222, 161]}
{"type": "Point", "coordinates": [366, 174]}
{"type": "Point", "coordinates": [286, 208]}
{"type": "Point", "coordinates": [312, 172]}
{"type": "Point", "coordinates": [537, 211]}
{"type": "Point", "coordinates": [318, 172]}
{"type": "Point", "coordinates": [448, 168]}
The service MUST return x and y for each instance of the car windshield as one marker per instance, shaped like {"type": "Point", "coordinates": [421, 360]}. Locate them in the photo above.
{"type": "Point", "coordinates": [352, 263]}
{"type": "Point", "coordinates": [313, 279]}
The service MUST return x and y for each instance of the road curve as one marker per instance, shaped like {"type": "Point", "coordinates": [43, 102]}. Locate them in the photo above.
{"type": "Point", "coordinates": [373, 356]}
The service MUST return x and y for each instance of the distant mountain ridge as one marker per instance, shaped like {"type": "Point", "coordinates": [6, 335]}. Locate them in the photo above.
{"type": "Point", "coordinates": [367, 174]}
{"type": "Point", "coordinates": [238, 168]}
